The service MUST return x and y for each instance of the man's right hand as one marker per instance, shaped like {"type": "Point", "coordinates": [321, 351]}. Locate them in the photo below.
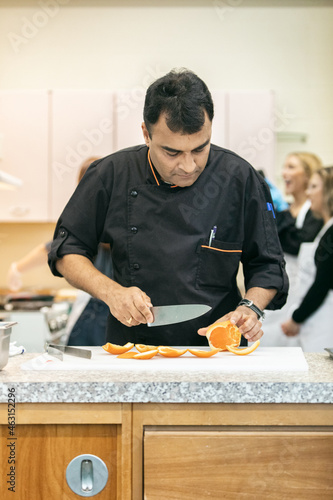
{"type": "Point", "coordinates": [131, 306]}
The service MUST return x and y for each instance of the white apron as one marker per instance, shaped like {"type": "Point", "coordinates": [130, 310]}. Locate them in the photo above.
{"type": "Point", "coordinates": [317, 331]}
{"type": "Point", "coordinates": [273, 334]}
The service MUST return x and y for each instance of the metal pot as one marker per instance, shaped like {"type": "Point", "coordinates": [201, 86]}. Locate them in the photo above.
{"type": "Point", "coordinates": [5, 331]}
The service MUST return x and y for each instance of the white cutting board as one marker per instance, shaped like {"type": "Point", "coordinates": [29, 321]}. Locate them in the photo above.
{"type": "Point", "coordinates": [277, 359]}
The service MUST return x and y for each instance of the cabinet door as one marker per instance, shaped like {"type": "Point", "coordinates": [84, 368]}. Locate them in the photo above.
{"type": "Point", "coordinates": [128, 114]}
{"type": "Point", "coordinates": [82, 127]}
{"type": "Point", "coordinates": [251, 128]}
{"type": "Point", "coordinates": [41, 454]}
{"type": "Point", "coordinates": [24, 154]}
{"type": "Point", "coordinates": [238, 464]}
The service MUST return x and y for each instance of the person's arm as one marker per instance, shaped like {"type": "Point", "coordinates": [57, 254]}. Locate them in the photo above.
{"type": "Point", "coordinates": [37, 257]}
{"type": "Point", "coordinates": [131, 306]}
{"type": "Point", "coordinates": [247, 320]}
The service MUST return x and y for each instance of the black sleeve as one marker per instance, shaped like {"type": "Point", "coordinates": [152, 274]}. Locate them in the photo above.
{"type": "Point", "coordinates": [262, 257]}
{"type": "Point", "coordinates": [292, 237]}
{"type": "Point", "coordinates": [323, 281]}
{"type": "Point", "coordinates": [81, 224]}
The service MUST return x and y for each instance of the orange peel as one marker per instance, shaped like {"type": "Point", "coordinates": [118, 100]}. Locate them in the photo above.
{"type": "Point", "coordinates": [243, 350]}
{"type": "Point", "coordinates": [117, 349]}
{"type": "Point", "coordinates": [204, 354]}
{"type": "Point", "coordinates": [146, 355]}
{"type": "Point", "coordinates": [127, 355]}
{"type": "Point", "coordinates": [223, 333]}
{"type": "Point", "coordinates": [145, 348]}
{"type": "Point", "coordinates": [171, 352]}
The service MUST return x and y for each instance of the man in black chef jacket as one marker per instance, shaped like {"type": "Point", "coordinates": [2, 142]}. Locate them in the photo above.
{"type": "Point", "coordinates": [156, 205]}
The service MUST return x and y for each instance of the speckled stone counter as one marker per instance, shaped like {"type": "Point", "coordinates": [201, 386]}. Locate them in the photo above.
{"type": "Point", "coordinates": [313, 386]}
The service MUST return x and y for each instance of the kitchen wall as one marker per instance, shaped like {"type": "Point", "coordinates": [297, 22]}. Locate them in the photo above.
{"type": "Point", "coordinates": [231, 44]}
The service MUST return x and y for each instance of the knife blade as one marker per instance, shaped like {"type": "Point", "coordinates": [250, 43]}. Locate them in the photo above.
{"type": "Point", "coordinates": [66, 349]}
{"type": "Point", "coordinates": [167, 315]}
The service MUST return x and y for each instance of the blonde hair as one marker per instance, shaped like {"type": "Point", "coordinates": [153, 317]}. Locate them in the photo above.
{"type": "Point", "coordinates": [309, 161]}
{"type": "Point", "coordinates": [85, 165]}
{"type": "Point", "coordinates": [326, 174]}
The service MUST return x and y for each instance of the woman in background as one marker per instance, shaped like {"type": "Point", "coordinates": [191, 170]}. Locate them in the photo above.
{"type": "Point", "coordinates": [312, 321]}
{"type": "Point", "coordinates": [295, 225]}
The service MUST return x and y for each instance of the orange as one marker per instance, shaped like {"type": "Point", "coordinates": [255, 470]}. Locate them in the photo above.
{"type": "Point", "coordinates": [127, 355]}
{"type": "Point", "coordinates": [204, 354]}
{"type": "Point", "coordinates": [223, 333]}
{"type": "Point", "coordinates": [244, 350]}
{"type": "Point", "coordinates": [170, 352]}
{"type": "Point", "coordinates": [145, 348]}
{"type": "Point", "coordinates": [145, 355]}
{"type": "Point", "coordinates": [117, 349]}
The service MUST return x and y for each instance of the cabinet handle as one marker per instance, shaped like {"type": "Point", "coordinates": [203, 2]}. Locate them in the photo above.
{"type": "Point", "coordinates": [86, 475]}
{"type": "Point", "coordinates": [19, 211]}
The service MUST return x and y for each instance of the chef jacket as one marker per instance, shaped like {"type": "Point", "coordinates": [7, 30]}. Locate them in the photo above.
{"type": "Point", "coordinates": [159, 237]}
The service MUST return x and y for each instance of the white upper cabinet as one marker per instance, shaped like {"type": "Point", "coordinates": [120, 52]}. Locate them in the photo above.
{"type": "Point", "coordinates": [251, 128]}
{"type": "Point", "coordinates": [128, 116]}
{"type": "Point", "coordinates": [220, 124]}
{"type": "Point", "coordinates": [81, 127]}
{"type": "Point", "coordinates": [46, 136]}
{"type": "Point", "coordinates": [24, 154]}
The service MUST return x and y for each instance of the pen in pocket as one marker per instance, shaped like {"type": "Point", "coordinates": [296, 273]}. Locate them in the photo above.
{"type": "Point", "coordinates": [212, 235]}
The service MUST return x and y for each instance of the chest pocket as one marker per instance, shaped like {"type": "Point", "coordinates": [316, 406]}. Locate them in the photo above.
{"type": "Point", "coordinates": [218, 264]}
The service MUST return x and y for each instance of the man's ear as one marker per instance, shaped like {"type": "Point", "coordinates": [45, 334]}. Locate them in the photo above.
{"type": "Point", "coordinates": [145, 134]}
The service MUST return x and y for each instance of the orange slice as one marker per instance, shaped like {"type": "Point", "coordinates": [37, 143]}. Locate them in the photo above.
{"type": "Point", "coordinates": [145, 355]}
{"type": "Point", "coordinates": [223, 333]}
{"type": "Point", "coordinates": [127, 355]}
{"type": "Point", "coordinates": [145, 348]}
{"type": "Point", "coordinates": [117, 349]}
{"type": "Point", "coordinates": [204, 354]}
{"type": "Point", "coordinates": [244, 350]}
{"type": "Point", "coordinates": [170, 352]}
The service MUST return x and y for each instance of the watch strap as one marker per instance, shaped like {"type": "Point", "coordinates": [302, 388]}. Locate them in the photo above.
{"type": "Point", "coordinates": [248, 303]}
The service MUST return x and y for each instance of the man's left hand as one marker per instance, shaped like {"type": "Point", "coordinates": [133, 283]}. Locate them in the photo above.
{"type": "Point", "coordinates": [246, 320]}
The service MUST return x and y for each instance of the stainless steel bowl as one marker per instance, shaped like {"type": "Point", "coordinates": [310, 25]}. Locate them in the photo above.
{"type": "Point", "coordinates": [5, 331]}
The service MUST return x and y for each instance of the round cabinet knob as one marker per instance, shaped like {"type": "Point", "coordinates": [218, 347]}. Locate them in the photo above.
{"type": "Point", "coordinates": [19, 211]}
{"type": "Point", "coordinates": [86, 475]}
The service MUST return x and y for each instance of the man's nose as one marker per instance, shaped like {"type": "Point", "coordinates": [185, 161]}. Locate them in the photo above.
{"type": "Point", "coordinates": [187, 163]}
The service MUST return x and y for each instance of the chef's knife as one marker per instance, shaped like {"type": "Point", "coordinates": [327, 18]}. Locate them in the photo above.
{"type": "Point", "coordinates": [167, 315]}
{"type": "Point", "coordinates": [53, 349]}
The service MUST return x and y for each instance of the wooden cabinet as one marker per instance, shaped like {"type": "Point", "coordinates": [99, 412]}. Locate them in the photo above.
{"type": "Point", "coordinates": [47, 437]}
{"type": "Point", "coordinates": [261, 463]}
{"type": "Point", "coordinates": [24, 126]}
{"type": "Point", "coordinates": [233, 451]}
{"type": "Point", "coordinates": [173, 451]}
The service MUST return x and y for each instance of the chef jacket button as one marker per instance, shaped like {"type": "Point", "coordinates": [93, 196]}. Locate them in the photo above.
{"type": "Point", "coordinates": [134, 229]}
{"type": "Point", "coordinates": [134, 193]}
{"type": "Point", "coordinates": [62, 233]}
{"type": "Point", "coordinates": [136, 266]}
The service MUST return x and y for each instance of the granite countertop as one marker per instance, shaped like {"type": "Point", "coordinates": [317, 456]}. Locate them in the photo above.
{"type": "Point", "coordinates": [102, 386]}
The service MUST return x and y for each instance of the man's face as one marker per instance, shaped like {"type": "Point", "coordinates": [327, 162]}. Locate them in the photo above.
{"type": "Point", "coordinates": [178, 158]}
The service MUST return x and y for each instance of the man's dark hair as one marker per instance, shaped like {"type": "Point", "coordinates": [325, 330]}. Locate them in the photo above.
{"type": "Point", "coordinates": [183, 97]}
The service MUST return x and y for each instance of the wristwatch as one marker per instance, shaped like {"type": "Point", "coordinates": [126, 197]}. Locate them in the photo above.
{"type": "Point", "coordinates": [249, 303]}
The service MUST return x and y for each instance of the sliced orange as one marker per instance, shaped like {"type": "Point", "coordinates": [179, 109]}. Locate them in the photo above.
{"type": "Point", "coordinates": [117, 349]}
{"type": "Point", "coordinates": [146, 355]}
{"type": "Point", "coordinates": [145, 348]}
{"type": "Point", "coordinates": [170, 352]}
{"type": "Point", "coordinates": [223, 333]}
{"type": "Point", "coordinates": [204, 354]}
{"type": "Point", "coordinates": [243, 350]}
{"type": "Point", "coordinates": [127, 355]}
